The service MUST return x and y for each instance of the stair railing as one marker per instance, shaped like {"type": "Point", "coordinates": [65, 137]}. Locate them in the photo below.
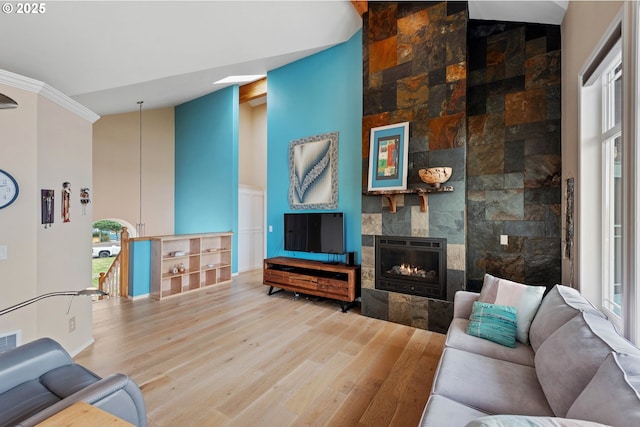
{"type": "Point", "coordinates": [115, 281]}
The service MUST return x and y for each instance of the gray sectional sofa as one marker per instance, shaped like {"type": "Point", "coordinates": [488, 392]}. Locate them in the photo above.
{"type": "Point", "coordinates": [39, 379]}
{"type": "Point", "coordinates": [577, 367]}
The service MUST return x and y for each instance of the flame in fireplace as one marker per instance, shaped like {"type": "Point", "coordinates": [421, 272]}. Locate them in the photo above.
{"type": "Point", "coordinates": [409, 270]}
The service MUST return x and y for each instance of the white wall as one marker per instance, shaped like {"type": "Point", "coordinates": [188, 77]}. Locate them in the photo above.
{"type": "Point", "coordinates": [19, 222]}
{"type": "Point", "coordinates": [252, 150]}
{"type": "Point", "coordinates": [44, 144]}
{"type": "Point", "coordinates": [64, 250]}
{"type": "Point", "coordinates": [584, 24]}
{"type": "Point", "coordinates": [116, 166]}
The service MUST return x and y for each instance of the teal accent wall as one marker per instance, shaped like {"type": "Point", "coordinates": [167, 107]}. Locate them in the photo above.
{"type": "Point", "coordinates": [206, 165]}
{"type": "Point", "coordinates": [315, 95]}
{"type": "Point", "coordinates": [140, 271]}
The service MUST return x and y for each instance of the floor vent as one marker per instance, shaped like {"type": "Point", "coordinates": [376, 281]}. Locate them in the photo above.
{"type": "Point", "coordinates": [9, 341]}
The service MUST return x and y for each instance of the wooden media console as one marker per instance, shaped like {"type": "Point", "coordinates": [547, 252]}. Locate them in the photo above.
{"type": "Point", "coordinates": [335, 281]}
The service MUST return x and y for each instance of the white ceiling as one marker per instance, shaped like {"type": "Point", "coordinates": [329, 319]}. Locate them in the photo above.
{"type": "Point", "coordinates": [534, 11]}
{"type": "Point", "coordinates": [108, 55]}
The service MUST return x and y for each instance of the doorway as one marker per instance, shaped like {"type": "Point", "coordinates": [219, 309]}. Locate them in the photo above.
{"type": "Point", "coordinates": [252, 178]}
{"type": "Point", "coordinates": [250, 228]}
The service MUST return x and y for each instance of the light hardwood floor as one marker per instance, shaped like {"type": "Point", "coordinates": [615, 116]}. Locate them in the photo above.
{"type": "Point", "coordinates": [230, 355]}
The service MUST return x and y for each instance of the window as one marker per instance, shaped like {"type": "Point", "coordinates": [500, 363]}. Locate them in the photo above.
{"type": "Point", "coordinates": [612, 170]}
{"type": "Point", "coordinates": [602, 200]}
{"type": "Point", "coordinates": [608, 208]}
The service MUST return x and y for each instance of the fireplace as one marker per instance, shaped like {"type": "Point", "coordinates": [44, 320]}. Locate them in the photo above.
{"type": "Point", "coordinates": [412, 265]}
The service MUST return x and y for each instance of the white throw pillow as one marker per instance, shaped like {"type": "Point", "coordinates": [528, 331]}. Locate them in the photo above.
{"type": "Point", "coordinates": [525, 298]}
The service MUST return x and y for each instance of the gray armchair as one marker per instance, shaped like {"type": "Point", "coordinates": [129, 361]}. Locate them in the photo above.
{"type": "Point", "coordinates": [40, 378]}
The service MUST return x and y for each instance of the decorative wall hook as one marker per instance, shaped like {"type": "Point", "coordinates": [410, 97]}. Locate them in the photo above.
{"type": "Point", "coordinates": [66, 201]}
{"type": "Point", "coordinates": [85, 199]}
{"type": "Point", "coordinates": [46, 207]}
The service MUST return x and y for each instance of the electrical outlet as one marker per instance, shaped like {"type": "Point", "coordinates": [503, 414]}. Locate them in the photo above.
{"type": "Point", "coordinates": [271, 229]}
{"type": "Point", "coordinates": [504, 240]}
{"type": "Point", "coordinates": [72, 324]}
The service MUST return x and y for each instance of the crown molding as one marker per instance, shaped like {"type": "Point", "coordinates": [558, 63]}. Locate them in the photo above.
{"type": "Point", "coordinates": [25, 83]}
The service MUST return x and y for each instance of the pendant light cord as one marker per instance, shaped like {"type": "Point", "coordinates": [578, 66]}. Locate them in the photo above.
{"type": "Point", "coordinates": [140, 230]}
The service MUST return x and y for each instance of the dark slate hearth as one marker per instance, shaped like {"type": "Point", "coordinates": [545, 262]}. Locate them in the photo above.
{"type": "Point", "coordinates": [375, 304]}
{"type": "Point", "coordinates": [419, 312]}
{"type": "Point", "coordinates": [455, 283]}
{"type": "Point", "coordinates": [400, 308]}
{"type": "Point", "coordinates": [440, 315]}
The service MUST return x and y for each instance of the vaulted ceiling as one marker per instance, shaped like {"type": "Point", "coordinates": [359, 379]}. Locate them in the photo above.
{"type": "Point", "coordinates": [108, 55]}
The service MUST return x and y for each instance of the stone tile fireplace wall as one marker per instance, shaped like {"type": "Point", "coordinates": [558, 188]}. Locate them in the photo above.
{"type": "Point", "coordinates": [513, 152]}
{"type": "Point", "coordinates": [415, 70]}
{"type": "Point", "coordinates": [482, 97]}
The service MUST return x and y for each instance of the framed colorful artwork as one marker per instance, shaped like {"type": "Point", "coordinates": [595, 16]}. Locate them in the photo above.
{"type": "Point", "coordinates": [388, 152]}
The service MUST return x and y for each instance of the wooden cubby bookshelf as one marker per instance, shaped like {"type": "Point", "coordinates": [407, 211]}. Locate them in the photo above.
{"type": "Point", "coordinates": [206, 259]}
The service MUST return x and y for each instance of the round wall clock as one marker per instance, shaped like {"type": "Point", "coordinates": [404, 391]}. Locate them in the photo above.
{"type": "Point", "coordinates": [8, 189]}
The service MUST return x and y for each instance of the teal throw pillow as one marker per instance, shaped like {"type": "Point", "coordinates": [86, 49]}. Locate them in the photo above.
{"type": "Point", "coordinates": [493, 322]}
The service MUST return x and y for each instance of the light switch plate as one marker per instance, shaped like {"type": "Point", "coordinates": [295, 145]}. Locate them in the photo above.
{"type": "Point", "coordinates": [504, 239]}
{"type": "Point", "coordinates": [3, 252]}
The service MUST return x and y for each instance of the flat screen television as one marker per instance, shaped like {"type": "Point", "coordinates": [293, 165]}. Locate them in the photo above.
{"type": "Point", "coordinates": [314, 232]}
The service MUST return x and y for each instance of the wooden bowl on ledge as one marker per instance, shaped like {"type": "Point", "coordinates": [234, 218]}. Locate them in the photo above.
{"type": "Point", "coordinates": [435, 176]}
